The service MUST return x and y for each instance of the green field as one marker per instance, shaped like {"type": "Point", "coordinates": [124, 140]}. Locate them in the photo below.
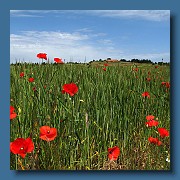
{"type": "Point", "coordinates": [108, 110]}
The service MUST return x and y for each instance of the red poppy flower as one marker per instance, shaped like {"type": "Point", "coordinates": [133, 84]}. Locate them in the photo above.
{"type": "Point", "coordinates": [150, 117]}
{"type": "Point", "coordinates": [104, 69]}
{"type": "Point", "coordinates": [42, 56]}
{"type": "Point", "coordinates": [34, 89]}
{"type": "Point", "coordinates": [163, 132]}
{"type": "Point", "coordinates": [58, 60]}
{"type": "Point", "coordinates": [22, 146]}
{"type": "Point", "coordinates": [146, 94]}
{"type": "Point", "coordinates": [71, 89]}
{"type": "Point", "coordinates": [22, 74]}
{"type": "Point", "coordinates": [113, 153]}
{"type": "Point", "coordinates": [168, 84]}
{"type": "Point", "coordinates": [47, 133]}
{"type": "Point", "coordinates": [135, 69]}
{"type": "Point", "coordinates": [12, 113]}
{"type": "Point", "coordinates": [155, 141]}
{"type": "Point", "coordinates": [106, 64]}
{"type": "Point", "coordinates": [148, 79]}
{"type": "Point", "coordinates": [156, 67]}
{"type": "Point", "coordinates": [31, 79]}
{"type": "Point", "coordinates": [152, 123]}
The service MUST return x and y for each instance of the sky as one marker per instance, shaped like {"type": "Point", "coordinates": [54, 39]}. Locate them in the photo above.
{"type": "Point", "coordinates": [84, 35]}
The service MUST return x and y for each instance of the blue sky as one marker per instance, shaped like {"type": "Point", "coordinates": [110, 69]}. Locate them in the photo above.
{"type": "Point", "coordinates": [76, 35]}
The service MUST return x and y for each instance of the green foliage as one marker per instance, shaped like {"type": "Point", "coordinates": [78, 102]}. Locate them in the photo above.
{"type": "Point", "coordinates": [107, 111]}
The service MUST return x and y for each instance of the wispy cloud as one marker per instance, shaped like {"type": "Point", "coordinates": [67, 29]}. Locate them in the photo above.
{"type": "Point", "coordinates": [47, 37]}
{"type": "Point", "coordinates": [106, 42]}
{"type": "Point", "coordinates": [74, 46]}
{"type": "Point", "coordinates": [84, 36]}
{"type": "Point", "coordinates": [152, 15]}
{"type": "Point", "coordinates": [26, 44]}
{"type": "Point", "coordinates": [24, 13]}
{"type": "Point", "coordinates": [85, 30]}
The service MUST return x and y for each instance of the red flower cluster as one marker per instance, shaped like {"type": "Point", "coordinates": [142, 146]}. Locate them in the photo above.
{"type": "Point", "coordinates": [113, 153]}
{"type": "Point", "coordinates": [146, 94]}
{"type": "Point", "coordinates": [155, 141]}
{"type": "Point", "coordinates": [104, 69]}
{"type": "Point", "coordinates": [12, 113]}
{"type": "Point", "coordinates": [151, 122]}
{"type": "Point", "coordinates": [22, 146]}
{"type": "Point", "coordinates": [58, 60]}
{"type": "Point", "coordinates": [70, 89]}
{"type": "Point", "coordinates": [149, 117]}
{"type": "Point", "coordinates": [166, 84]}
{"type": "Point", "coordinates": [42, 56]}
{"type": "Point", "coordinates": [163, 132]}
{"type": "Point", "coordinates": [47, 133]}
{"type": "Point", "coordinates": [21, 74]}
{"type": "Point", "coordinates": [31, 79]}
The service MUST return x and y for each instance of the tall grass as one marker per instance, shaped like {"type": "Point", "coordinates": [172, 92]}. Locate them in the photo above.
{"type": "Point", "coordinates": [107, 111]}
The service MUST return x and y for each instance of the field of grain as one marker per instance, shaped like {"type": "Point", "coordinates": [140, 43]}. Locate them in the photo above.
{"type": "Point", "coordinates": [110, 109]}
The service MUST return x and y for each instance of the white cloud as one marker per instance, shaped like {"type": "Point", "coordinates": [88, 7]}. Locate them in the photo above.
{"type": "Point", "coordinates": [85, 30]}
{"type": "Point", "coordinates": [68, 46]}
{"type": "Point", "coordinates": [152, 15]}
{"type": "Point", "coordinates": [23, 13]}
{"type": "Point", "coordinates": [106, 42]}
{"type": "Point", "coordinates": [40, 39]}
{"type": "Point", "coordinates": [32, 13]}
{"type": "Point", "coordinates": [83, 41]}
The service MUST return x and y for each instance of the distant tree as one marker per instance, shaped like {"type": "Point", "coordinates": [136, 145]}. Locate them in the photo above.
{"type": "Point", "coordinates": [141, 61]}
{"type": "Point", "coordinates": [160, 63]}
{"type": "Point", "coordinates": [123, 60]}
{"type": "Point", "coordinates": [135, 60]}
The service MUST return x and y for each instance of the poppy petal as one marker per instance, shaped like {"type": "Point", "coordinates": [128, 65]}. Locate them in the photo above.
{"type": "Point", "coordinates": [113, 153]}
